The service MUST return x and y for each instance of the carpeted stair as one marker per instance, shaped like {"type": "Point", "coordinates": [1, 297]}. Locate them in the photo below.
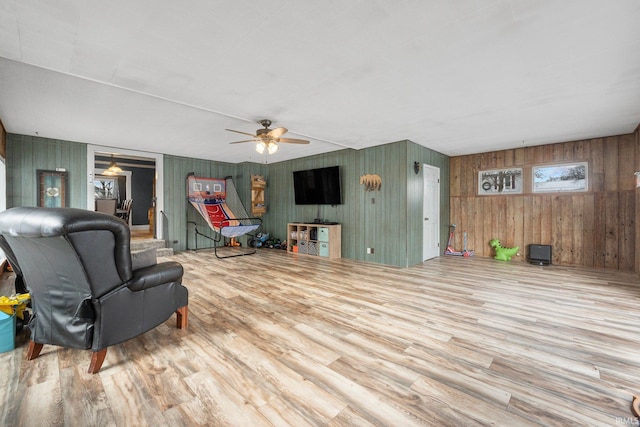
{"type": "Point", "coordinates": [160, 245]}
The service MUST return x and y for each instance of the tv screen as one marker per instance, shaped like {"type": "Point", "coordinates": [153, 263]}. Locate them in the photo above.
{"type": "Point", "coordinates": [317, 186]}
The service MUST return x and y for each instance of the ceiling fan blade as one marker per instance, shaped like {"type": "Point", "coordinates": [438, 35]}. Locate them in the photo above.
{"type": "Point", "coordinates": [293, 141]}
{"type": "Point", "coordinates": [247, 140]}
{"type": "Point", "coordinates": [277, 132]}
{"type": "Point", "coordinates": [244, 133]}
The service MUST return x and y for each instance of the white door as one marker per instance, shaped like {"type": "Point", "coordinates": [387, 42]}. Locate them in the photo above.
{"type": "Point", "coordinates": [431, 212]}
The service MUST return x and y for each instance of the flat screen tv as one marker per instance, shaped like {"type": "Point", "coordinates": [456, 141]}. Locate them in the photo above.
{"type": "Point", "coordinates": [317, 186]}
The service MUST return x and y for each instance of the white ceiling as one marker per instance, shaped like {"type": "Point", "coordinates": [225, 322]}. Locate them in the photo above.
{"type": "Point", "coordinates": [459, 77]}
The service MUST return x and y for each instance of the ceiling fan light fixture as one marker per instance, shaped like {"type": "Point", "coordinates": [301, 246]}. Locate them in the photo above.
{"type": "Point", "coordinates": [268, 139]}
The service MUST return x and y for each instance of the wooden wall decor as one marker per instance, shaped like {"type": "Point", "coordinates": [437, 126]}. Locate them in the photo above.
{"type": "Point", "coordinates": [258, 205]}
{"type": "Point", "coordinates": [593, 228]}
{"type": "Point", "coordinates": [372, 182]}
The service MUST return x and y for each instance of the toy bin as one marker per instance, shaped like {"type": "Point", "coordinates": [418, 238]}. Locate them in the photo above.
{"type": "Point", "coordinates": [7, 332]}
{"type": "Point", "coordinates": [323, 249]}
{"type": "Point", "coordinates": [323, 234]}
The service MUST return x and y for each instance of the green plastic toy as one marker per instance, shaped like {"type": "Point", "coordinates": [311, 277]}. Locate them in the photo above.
{"type": "Point", "coordinates": [503, 254]}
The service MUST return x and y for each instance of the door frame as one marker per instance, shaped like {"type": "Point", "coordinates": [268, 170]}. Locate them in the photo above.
{"type": "Point", "coordinates": [159, 161]}
{"type": "Point", "coordinates": [435, 169]}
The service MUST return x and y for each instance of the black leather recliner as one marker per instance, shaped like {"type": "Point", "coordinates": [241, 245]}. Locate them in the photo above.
{"type": "Point", "coordinates": [8, 253]}
{"type": "Point", "coordinates": [85, 294]}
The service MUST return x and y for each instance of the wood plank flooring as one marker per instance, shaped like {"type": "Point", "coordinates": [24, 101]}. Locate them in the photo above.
{"type": "Point", "coordinates": [284, 340]}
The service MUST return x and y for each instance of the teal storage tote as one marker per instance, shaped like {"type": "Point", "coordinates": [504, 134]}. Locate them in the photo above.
{"type": "Point", "coordinates": [323, 234]}
{"type": "Point", "coordinates": [7, 332]}
{"type": "Point", "coordinates": [324, 249]}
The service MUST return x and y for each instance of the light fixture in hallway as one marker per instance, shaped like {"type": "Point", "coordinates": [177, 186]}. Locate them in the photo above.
{"type": "Point", "coordinates": [113, 169]}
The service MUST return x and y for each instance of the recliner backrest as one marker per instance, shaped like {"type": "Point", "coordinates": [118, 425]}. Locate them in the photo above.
{"type": "Point", "coordinates": [92, 234]}
{"type": "Point", "coordinates": [67, 257]}
{"type": "Point", "coordinates": [59, 287]}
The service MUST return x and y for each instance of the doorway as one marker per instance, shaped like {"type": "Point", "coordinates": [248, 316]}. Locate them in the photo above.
{"type": "Point", "coordinates": [151, 203]}
{"type": "Point", "coordinates": [431, 212]}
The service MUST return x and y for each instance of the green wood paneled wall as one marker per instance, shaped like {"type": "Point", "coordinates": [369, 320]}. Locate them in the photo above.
{"type": "Point", "coordinates": [175, 211]}
{"type": "Point", "coordinates": [281, 208]}
{"type": "Point", "coordinates": [389, 220]}
{"type": "Point", "coordinates": [391, 223]}
{"type": "Point", "coordinates": [415, 188]}
{"type": "Point", "coordinates": [26, 154]}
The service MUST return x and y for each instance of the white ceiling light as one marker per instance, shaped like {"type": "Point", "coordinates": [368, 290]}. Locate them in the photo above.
{"type": "Point", "coordinates": [113, 169]}
{"type": "Point", "coordinates": [272, 147]}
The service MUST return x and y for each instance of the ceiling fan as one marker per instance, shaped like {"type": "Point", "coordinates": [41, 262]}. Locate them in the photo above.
{"type": "Point", "coordinates": [268, 138]}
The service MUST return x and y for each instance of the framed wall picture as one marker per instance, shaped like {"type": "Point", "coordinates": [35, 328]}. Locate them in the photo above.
{"type": "Point", "coordinates": [52, 189]}
{"type": "Point", "coordinates": [105, 187]}
{"type": "Point", "coordinates": [500, 181]}
{"type": "Point", "coordinates": [569, 177]}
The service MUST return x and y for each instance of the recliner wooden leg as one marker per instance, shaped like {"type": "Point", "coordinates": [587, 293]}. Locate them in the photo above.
{"type": "Point", "coordinates": [96, 360]}
{"type": "Point", "coordinates": [34, 350]}
{"type": "Point", "coordinates": [182, 316]}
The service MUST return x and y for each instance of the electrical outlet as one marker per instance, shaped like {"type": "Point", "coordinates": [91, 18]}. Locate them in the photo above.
{"type": "Point", "coordinates": [370, 251]}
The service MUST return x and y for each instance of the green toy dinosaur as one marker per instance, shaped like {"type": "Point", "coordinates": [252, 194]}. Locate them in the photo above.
{"type": "Point", "coordinates": [503, 254]}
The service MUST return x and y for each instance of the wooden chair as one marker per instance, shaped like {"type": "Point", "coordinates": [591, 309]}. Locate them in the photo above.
{"type": "Point", "coordinates": [125, 210]}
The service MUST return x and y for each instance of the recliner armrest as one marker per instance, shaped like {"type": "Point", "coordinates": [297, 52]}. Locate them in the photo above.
{"type": "Point", "coordinates": [143, 258]}
{"type": "Point", "coordinates": [154, 275]}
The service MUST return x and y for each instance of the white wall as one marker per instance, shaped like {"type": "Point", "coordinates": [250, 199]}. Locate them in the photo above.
{"type": "Point", "coordinates": [3, 195]}
{"type": "Point", "coordinates": [3, 185]}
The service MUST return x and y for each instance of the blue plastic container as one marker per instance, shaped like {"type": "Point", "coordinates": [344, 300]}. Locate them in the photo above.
{"type": "Point", "coordinates": [7, 332]}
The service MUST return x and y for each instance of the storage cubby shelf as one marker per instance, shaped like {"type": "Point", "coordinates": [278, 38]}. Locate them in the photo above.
{"type": "Point", "coordinates": [314, 239]}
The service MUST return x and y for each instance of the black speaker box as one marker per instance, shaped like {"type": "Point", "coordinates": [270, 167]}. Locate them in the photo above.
{"type": "Point", "coordinates": [539, 254]}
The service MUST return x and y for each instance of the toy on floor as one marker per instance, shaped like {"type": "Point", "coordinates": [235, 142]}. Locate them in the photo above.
{"type": "Point", "coordinates": [503, 254]}
{"type": "Point", "coordinates": [450, 251]}
{"type": "Point", "coordinates": [15, 304]}
{"type": "Point", "coordinates": [259, 240]}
